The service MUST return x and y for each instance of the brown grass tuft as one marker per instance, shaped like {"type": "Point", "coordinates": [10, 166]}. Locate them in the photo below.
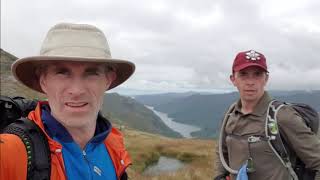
{"type": "Point", "coordinates": [146, 149]}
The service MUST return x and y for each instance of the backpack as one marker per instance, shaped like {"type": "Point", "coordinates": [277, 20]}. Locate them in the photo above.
{"type": "Point", "coordinates": [13, 113]}
{"type": "Point", "coordinates": [311, 119]}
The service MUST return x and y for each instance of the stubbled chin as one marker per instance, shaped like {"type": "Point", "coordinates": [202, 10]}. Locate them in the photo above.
{"type": "Point", "coordinates": [249, 96]}
{"type": "Point", "coordinates": [78, 119]}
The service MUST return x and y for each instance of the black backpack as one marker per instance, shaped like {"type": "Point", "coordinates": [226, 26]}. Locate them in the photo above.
{"type": "Point", "coordinates": [13, 113]}
{"type": "Point", "coordinates": [310, 117]}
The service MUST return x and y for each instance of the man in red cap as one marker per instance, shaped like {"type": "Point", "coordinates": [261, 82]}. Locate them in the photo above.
{"type": "Point", "coordinates": [250, 76]}
{"type": "Point", "coordinates": [244, 150]}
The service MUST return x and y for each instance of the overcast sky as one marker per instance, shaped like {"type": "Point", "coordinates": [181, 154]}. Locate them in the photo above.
{"type": "Point", "coordinates": [183, 45]}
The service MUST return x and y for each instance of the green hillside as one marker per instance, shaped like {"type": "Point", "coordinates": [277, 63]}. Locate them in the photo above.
{"type": "Point", "coordinates": [127, 111]}
{"type": "Point", "coordinates": [6, 61]}
{"type": "Point", "coordinates": [206, 111]}
{"type": "Point", "coordinates": [158, 99]}
{"type": "Point", "coordinates": [311, 98]}
{"type": "Point", "coordinates": [8, 85]}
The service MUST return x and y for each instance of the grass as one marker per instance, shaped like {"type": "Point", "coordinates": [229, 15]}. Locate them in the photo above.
{"type": "Point", "coordinates": [145, 149]}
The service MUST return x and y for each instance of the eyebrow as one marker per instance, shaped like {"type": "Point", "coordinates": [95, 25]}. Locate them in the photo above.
{"type": "Point", "coordinates": [59, 67]}
{"type": "Point", "coordinates": [93, 69]}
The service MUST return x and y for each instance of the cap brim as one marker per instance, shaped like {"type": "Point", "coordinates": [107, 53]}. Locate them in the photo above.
{"type": "Point", "coordinates": [24, 69]}
{"type": "Point", "coordinates": [239, 68]}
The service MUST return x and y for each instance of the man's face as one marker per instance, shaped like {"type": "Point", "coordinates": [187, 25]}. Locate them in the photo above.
{"type": "Point", "coordinates": [250, 83]}
{"type": "Point", "coordinates": [75, 91]}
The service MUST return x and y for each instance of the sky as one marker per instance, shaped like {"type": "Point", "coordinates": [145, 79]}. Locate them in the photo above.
{"type": "Point", "coordinates": [180, 46]}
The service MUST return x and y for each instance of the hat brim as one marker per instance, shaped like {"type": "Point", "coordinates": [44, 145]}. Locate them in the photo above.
{"type": "Point", "coordinates": [239, 68]}
{"type": "Point", "coordinates": [24, 69]}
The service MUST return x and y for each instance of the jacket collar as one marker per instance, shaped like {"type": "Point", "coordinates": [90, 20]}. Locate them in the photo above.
{"type": "Point", "coordinates": [260, 108]}
{"type": "Point", "coordinates": [36, 116]}
{"type": "Point", "coordinates": [56, 129]}
{"type": "Point", "coordinates": [114, 142]}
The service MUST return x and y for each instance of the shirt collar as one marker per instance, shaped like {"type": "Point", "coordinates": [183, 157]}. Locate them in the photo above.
{"type": "Point", "coordinates": [261, 106]}
{"type": "Point", "coordinates": [57, 130]}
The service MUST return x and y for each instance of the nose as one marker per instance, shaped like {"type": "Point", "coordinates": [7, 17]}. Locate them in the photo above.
{"type": "Point", "coordinates": [250, 81]}
{"type": "Point", "coordinates": [76, 87]}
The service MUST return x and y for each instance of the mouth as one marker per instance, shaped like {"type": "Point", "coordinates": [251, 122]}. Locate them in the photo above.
{"type": "Point", "coordinates": [250, 91]}
{"type": "Point", "coordinates": [76, 104]}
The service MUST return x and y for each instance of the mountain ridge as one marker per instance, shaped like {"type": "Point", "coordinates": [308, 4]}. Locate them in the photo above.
{"type": "Point", "coordinates": [204, 110]}
{"type": "Point", "coordinates": [9, 86]}
{"type": "Point", "coordinates": [207, 111]}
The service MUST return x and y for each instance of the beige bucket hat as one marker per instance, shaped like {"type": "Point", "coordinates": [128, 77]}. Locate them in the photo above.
{"type": "Point", "coordinates": [71, 42]}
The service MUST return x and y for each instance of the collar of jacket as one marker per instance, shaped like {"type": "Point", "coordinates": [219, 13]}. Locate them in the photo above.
{"type": "Point", "coordinates": [114, 142]}
{"type": "Point", "coordinates": [261, 107]}
{"type": "Point", "coordinates": [56, 129]}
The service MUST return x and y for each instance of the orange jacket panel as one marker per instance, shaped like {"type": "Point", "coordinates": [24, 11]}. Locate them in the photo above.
{"type": "Point", "coordinates": [13, 157]}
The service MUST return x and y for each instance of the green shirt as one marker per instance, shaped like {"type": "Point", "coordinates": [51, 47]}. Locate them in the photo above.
{"type": "Point", "coordinates": [296, 134]}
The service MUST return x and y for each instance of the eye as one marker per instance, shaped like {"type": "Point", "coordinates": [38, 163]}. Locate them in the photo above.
{"type": "Point", "coordinates": [243, 73]}
{"type": "Point", "coordinates": [94, 71]}
{"type": "Point", "coordinates": [258, 73]}
{"type": "Point", "coordinates": [62, 71]}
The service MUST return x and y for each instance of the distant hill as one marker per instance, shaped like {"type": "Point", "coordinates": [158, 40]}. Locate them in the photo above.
{"type": "Point", "coordinates": [9, 86]}
{"type": "Point", "coordinates": [127, 111]}
{"type": "Point", "coordinates": [311, 98]}
{"type": "Point", "coordinates": [158, 99]}
{"type": "Point", "coordinates": [6, 60]}
{"type": "Point", "coordinates": [206, 111]}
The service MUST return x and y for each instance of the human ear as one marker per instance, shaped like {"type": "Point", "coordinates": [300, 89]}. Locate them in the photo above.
{"type": "Point", "coordinates": [267, 77]}
{"type": "Point", "coordinates": [43, 83]}
{"type": "Point", "coordinates": [111, 76]}
{"type": "Point", "coordinates": [232, 79]}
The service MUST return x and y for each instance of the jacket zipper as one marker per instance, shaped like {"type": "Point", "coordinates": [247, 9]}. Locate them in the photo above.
{"type": "Point", "coordinates": [84, 154]}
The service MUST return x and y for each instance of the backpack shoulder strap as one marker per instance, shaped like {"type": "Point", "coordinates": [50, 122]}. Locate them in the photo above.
{"type": "Point", "coordinates": [274, 138]}
{"type": "Point", "coordinates": [37, 147]}
{"type": "Point", "coordinates": [222, 137]}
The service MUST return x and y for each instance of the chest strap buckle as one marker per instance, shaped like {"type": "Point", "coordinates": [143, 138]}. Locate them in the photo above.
{"type": "Point", "coordinates": [254, 139]}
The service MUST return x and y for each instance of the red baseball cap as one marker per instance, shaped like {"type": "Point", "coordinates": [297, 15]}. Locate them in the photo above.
{"type": "Point", "coordinates": [249, 58]}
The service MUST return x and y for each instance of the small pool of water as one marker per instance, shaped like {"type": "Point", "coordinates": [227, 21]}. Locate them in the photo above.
{"type": "Point", "coordinates": [164, 165]}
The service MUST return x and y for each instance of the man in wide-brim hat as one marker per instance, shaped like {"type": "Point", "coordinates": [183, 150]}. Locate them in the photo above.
{"type": "Point", "coordinates": [74, 70]}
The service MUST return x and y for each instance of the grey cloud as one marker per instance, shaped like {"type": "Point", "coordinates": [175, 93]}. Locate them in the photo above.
{"type": "Point", "coordinates": [182, 35]}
